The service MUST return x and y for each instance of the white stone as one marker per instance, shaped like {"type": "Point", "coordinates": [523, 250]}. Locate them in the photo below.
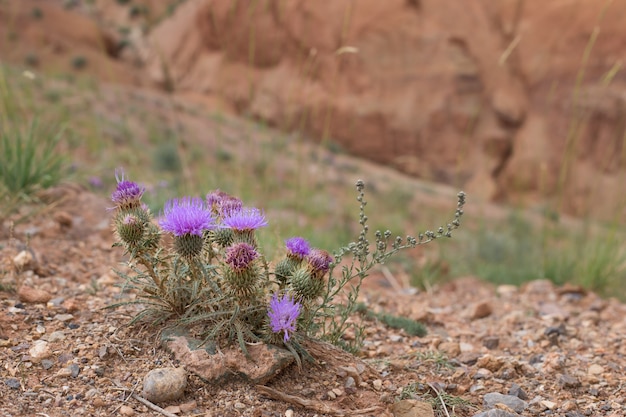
{"type": "Point", "coordinates": [39, 350]}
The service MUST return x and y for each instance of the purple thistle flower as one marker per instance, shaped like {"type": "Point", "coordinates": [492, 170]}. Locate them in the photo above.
{"type": "Point", "coordinates": [319, 261]}
{"type": "Point", "coordinates": [186, 216]}
{"type": "Point", "coordinates": [247, 218]}
{"type": "Point", "coordinates": [297, 247]}
{"type": "Point", "coordinates": [240, 256]}
{"type": "Point", "coordinates": [95, 182]}
{"type": "Point", "coordinates": [214, 197]}
{"type": "Point", "coordinates": [127, 193]}
{"type": "Point", "coordinates": [283, 313]}
{"type": "Point", "coordinates": [222, 203]}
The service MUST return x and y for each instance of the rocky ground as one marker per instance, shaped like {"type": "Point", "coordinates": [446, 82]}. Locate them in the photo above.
{"type": "Point", "coordinates": [506, 351]}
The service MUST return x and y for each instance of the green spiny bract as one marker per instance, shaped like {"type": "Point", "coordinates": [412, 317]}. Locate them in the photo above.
{"type": "Point", "coordinates": [131, 224]}
{"type": "Point", "coordinates": [305, 285]}
{"type": "Point", "coordinates": [188, 245]}
{"type": "Point", "coordinates": [222, 236]}
{"type": "Point", "coordinates": [285, 268]}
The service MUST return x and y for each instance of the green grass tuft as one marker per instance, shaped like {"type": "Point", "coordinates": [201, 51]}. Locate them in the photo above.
{"type": "Point", "coordinates": [31, 160]}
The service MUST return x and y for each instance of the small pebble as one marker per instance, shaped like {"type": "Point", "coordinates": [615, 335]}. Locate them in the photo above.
{"type": "Point", "coordinates": [65, 357]}
{"type": "Point", "coordinates": [33, 295]}
{"type": "Point", "coordinates": [39, 351]}
{"type": "Point", "coordinates": [47, 364]}
{"type": "Point", "coordinates": [64, 372]}
{"type": "Point", "coordinates": [23, 260]}
{"type": "Point", "coordinates": [377, 384]}
{"type": "Point", "coordinates": [164, 384]}
{"type": "Point", "coordinates": [63, 317]}
{"type": "Point", "coordinates": [13, 383]}
{"type": "Point", "coordinates": [55, 302]}
{"type": "Point", "coordinates": [550, 405]}
{"type": "Point", "coordinates": [102, 351]}
{"type": "Point", "coordinates": [56, 336]}
{"type": "Point", "coordinates": [75, 370]}
{"type": "Point", "coordinates": [491, 342]}
{"type": "Point", "coordinates": [514, 403]}
{"type": "Point", "coordinates": [126, 411]}
{"type": "Point", "coordinates": [595, 369]}
{"type": "Point", "coordinates": [396, 338]}
{"type": "Point", "coordinates": [188, 407]}
{"type": "Point", "coordinates": [98, 402]}
{"type": "Point", "coordinates": [349, 385]}
{"type": "Point", "coordinates": [338, 392]}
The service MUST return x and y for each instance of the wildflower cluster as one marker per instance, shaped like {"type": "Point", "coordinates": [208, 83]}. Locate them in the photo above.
{"type": "Point", "coordinates": [200, 266]}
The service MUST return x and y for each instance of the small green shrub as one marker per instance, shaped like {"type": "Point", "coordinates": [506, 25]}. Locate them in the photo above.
{"type": "Point", "coordinates": [37, 13]}
{"type": "Point", "coordinates": [410, 326]}
{"type": "Point", "coordinates": [167, 158]}
{"type": "Point", "coordinates": [79, 62]}
{"type": "Point", "coordinates": [31, 59]}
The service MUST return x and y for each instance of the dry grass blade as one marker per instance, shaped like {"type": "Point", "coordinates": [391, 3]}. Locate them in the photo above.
{"type": "Point", "coordinates": [443, 403]}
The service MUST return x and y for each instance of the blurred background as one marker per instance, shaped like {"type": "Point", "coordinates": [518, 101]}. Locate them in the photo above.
{"type": "Point", "coordinates": [286, 103]}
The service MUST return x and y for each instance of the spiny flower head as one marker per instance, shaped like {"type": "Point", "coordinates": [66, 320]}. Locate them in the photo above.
{"type": "Point", "coordinates": [130, 226]}
{"type": "Point", "coordinates": [127, 193]}
{"type": "Point", "coordinates": [245, 219]}
{"type": "Point", "coordinates": [240, 256]}
{"type": "Point", "coordinates": [283, 313]}
{"type": "Point", "coordinates": [186, 216]}
{"type": "Point", "coordinates": [222, 203]}
{"type": "Point", "coordinates": [297, 247]}
{"type": "Point", "coordinates": [319, 261]}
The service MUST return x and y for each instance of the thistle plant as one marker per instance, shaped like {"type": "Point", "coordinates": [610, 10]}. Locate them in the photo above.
{"type": "Point", "coordinates": [211, 276]}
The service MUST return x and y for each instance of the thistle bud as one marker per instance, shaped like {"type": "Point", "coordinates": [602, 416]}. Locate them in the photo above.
{"type": "Point", "coordinates": [130, 225]}
{"type": "Point", "coordinates": [305, 285]}
{"type": "Point", "coordinates": [240, 271]}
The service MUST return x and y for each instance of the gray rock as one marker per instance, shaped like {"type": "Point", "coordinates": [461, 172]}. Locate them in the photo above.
{"type": "Point", "coordinates": [491, 342]}
{"type": "Point", "coordinates": [13, 383]}
{"type": "Point", "coordinates": [518, 392]}
{"type": "Point", "coordinates": [164, 384]}
{"type": "Point", "coordinates": [74, 369]}
{"type": "Point", "coordinates": [568, 381]}
{"type": "Point", "coordinates": [514, 403]}
{"type": "Point", "coordinates": [47, 364]}
{"type": "Point", "coordinates": [496, 413]}
{"type": "Point", "coordinates": [63, 317]}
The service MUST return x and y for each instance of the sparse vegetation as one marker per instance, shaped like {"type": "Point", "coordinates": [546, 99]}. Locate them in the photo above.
{"type": "Point", "coordinates": [79, 62]}
{"type": "Point", "coordinates": [29, 148]}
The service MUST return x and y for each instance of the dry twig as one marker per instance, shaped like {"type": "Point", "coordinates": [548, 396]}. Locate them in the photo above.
{"type": "Point", "coordinates": [314, 405]}
{"type": "Point", "coordinates": [152, 406]}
